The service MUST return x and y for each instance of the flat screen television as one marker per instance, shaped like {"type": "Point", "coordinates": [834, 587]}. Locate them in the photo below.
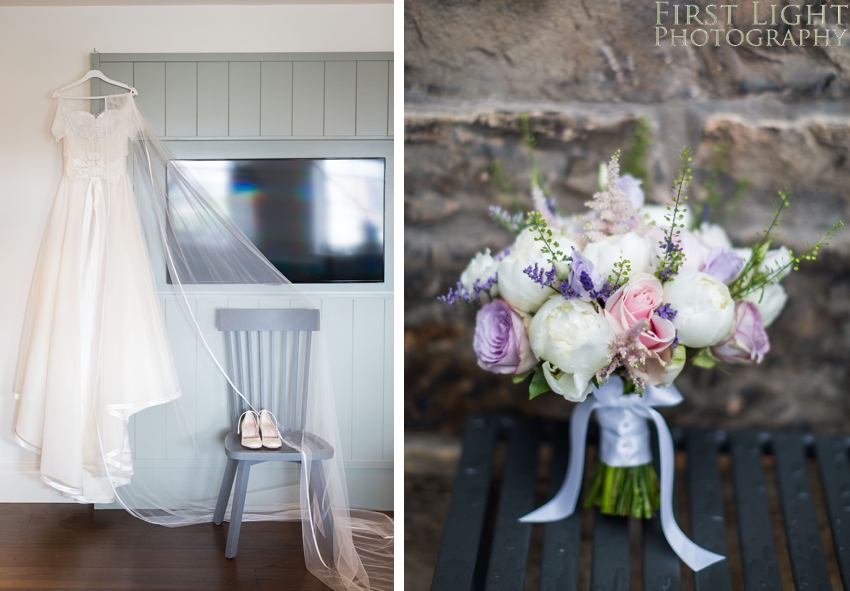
{"type": "Point", "coordinates": [317, 220]}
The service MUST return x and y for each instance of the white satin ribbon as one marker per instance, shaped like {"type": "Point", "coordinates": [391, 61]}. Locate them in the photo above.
{"type": "Point", "coordinates": [608, 399]}
{"type": "Point", "coordinates": [91, 253]}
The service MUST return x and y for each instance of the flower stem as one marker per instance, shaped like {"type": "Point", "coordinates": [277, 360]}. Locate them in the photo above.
{"type": "Point", "coordinates": [624, 491]}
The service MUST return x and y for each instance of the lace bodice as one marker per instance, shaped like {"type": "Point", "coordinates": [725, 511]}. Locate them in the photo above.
{"type": "Point", "coordinates": [96, 145]}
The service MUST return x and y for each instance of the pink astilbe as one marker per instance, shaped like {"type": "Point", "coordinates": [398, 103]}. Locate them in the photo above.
{"type": "Point", "coordinates": [629, 353]}
{"type": "Point", "coordinates": [613, 213]}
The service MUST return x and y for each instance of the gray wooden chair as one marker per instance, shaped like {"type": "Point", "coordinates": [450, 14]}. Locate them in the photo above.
{"type": "Point", "coordinates": [268, 353]}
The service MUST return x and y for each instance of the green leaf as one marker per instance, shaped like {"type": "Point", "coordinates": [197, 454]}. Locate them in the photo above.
{"type": "Point", "coordinates": [704, 358]}
{"type": "Point", "coordinates": [522, 376]}
{"type": "Point", "coordinates": [538, 385]}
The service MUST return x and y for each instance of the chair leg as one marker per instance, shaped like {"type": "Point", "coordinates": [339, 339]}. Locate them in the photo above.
{"type": "Point", "coordinates": [242, 472]}
{"type": "Point", "coordinates": [317, 476]}
{"type": "Point", "coordinates": [224, 493]}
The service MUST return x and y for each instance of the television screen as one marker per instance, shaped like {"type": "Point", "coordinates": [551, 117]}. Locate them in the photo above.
{"type": "Point", "coordinates": [316, 220]}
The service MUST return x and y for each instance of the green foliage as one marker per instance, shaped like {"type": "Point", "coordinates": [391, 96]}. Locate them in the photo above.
{"type": "Point", "coordinates": [550, 247]}
{"type": "Point", "coordinates": [521, 377]}
{"type": "Point", "coordinates": [704, 358]}
{"type": "Point", "coordinates": [674, 257]}
{"type": "Point", "coordinates": [712, 202]}
{"type": "Point", "coordinates": [502, 181]}
{"type": "Point", "coordinates": [635, 157]}
{"type": "Point", "coordinates": [620, 273]}
{"type": "Point", "coordinates": [751, 279]}
{"type": "Point", "coordinates": [538, 384]}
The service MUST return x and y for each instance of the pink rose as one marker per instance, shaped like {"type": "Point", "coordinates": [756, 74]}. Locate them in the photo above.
{"type": "Point", "coordinates": [637, 300]}
{"type": "Point", "coordinates": [748, 341]}
{"type": "Point", "coordinates": [501, 341]}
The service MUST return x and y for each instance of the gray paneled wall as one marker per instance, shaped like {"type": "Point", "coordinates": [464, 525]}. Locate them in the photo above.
{"type": "Point", "coordinates": [259, 95]}
{"type": "Point", "coordinates": [321, 102]}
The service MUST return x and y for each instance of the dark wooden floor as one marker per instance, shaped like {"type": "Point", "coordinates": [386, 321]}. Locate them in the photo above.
{"type": "Point", "coordinates": [71, 546]}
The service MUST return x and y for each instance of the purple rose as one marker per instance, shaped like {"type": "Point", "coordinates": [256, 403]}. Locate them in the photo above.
{"type": "Point", "coordinates": [501, 341]}
{"type": "Point", "coordinates": [748, 341]}
{"type": "Point", "coordinates": [723, 264]}
{"type": "Point", "coordinates": [584, 280]}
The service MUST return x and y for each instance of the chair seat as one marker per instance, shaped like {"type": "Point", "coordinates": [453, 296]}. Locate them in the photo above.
{"type": "Point", "coordinates": [319, 448]}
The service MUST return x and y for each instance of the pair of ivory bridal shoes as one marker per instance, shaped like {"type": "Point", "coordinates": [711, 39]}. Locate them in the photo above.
{"type": "Point", "coordinates": [258, 430]}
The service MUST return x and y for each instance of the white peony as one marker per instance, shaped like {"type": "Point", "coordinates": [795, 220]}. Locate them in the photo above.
{"type": "Point", "coordinates": [705, 310]}
{"type": "Point", "coordinates": [658, 214]}
{"type": "Point", "coordinates": [778, 258]}
{"type": "Point", "coordinates": [636, 249]}
{"type": "Point", "coordinates": [769, 303]}
{"type": "Point", "coordinates": [517, 288]}
{"type": "Point", "coordinates": [713, 236]}
{"type": "Point", "coordinates": [481, 268]}
{"type": "Point", "coordinates": [572, 338]}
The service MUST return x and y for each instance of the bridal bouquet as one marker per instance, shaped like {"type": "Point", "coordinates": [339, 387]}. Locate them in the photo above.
{"type": "Point", "coordinates": [614, 302]}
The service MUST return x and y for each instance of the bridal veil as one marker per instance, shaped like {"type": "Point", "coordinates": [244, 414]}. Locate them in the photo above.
{"type": "Point", "coordinates": [199, 245]}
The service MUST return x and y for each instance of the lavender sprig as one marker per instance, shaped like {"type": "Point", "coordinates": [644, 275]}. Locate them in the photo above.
{"type": "Point", "coordinates": [512, 222]}
{"type": "Point", "coordinates": [673, 253]}
{"type": "Point", "coordinates": [666, 312]}
{"type": "Point", "coordinates": [461, 293]}
{"type": "Point", "coordinates": [540, 275]}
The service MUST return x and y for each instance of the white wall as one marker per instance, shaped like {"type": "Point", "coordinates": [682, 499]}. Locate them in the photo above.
{"type": "Point", "coordinates": [42, 48]}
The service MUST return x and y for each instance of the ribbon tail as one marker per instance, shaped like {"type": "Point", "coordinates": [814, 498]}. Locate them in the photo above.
{"type": "Point", "coordinates": [696, 557]}
{"type": "Point", "coordinates": [563, 504]}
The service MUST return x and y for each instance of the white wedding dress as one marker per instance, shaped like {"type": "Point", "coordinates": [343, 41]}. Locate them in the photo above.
{"type": "Point", "coordinates": [94, 348]}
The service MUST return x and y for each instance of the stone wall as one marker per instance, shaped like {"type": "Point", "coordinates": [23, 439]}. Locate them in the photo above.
{"type": "Point", "coordinates": [586, 73]}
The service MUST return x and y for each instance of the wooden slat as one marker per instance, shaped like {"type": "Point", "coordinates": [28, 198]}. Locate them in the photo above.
{"type": "Point", "coordinates": [180, 443]}
{"type": "Point", "coordinates": [390, 101]}
{"type": "Point", "coordinates": [276, 98]}
{"type": "Point", "coordinates": [372, 95]}
{"type": "Point", "coordinates": [389, 392]}
{"type": "Point", "coordinates": [181, 99]}
{"type": "Point", "coordinates": [835, 475]}
{"type": "Point", "coordinates": [509, 555]}
{"type": "Point", "coordinates": [368, 381]}
{"type": "Point", "coordinates": [308, 98]}
{"type": "Point", "coordinates": [149, 80]}
{"type": "Point", "coordinates": [465, 520]}
{"type": "Point", "coordinates": [213, 88]}
{"type": "Point", "coordinates": [338, 318]}
{"type": "Point", "coordinates": [122, 72]}
{"type": "Point", "coordinates": [340, 90]}
{"type": "Point", "coordinates": [610, 562]}
{"type": "Point", "coordinates": [248, 57]}
{"type": "Point", "coordinates": [805, 547]}
{"type": "Point", "coordinates": [561, 539]}
{"type": "Point", "coordinates": [244, 104]}
{"type": "Point", "coordinates": [758, 550]}
{"type": "Point", "coordinates": [705, 499]}
{"type": "Point", "coordinates": [660, 563]}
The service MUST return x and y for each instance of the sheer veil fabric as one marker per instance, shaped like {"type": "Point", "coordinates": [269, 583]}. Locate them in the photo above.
{"type": "Point", "coordinates": [199, 245]}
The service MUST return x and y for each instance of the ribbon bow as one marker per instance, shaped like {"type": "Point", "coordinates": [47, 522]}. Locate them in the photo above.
{"type": "Point", "coordinates": [79, 169]}
{"type": "Point", "coordinates": [611, 397]}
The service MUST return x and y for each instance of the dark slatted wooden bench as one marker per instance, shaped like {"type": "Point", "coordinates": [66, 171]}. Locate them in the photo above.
{"type": "Point", "coordinates": [486, 547]}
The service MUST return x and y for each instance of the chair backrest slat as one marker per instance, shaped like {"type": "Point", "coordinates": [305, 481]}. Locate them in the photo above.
{"type": "Point", "coordinates": [306, 379]}
{"type": "Point", "coordinates": [231, 369]}
{"type": "Point", "coordinates": [269, 361]}
{"type": "Point", "coordinates": [293, 379]}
